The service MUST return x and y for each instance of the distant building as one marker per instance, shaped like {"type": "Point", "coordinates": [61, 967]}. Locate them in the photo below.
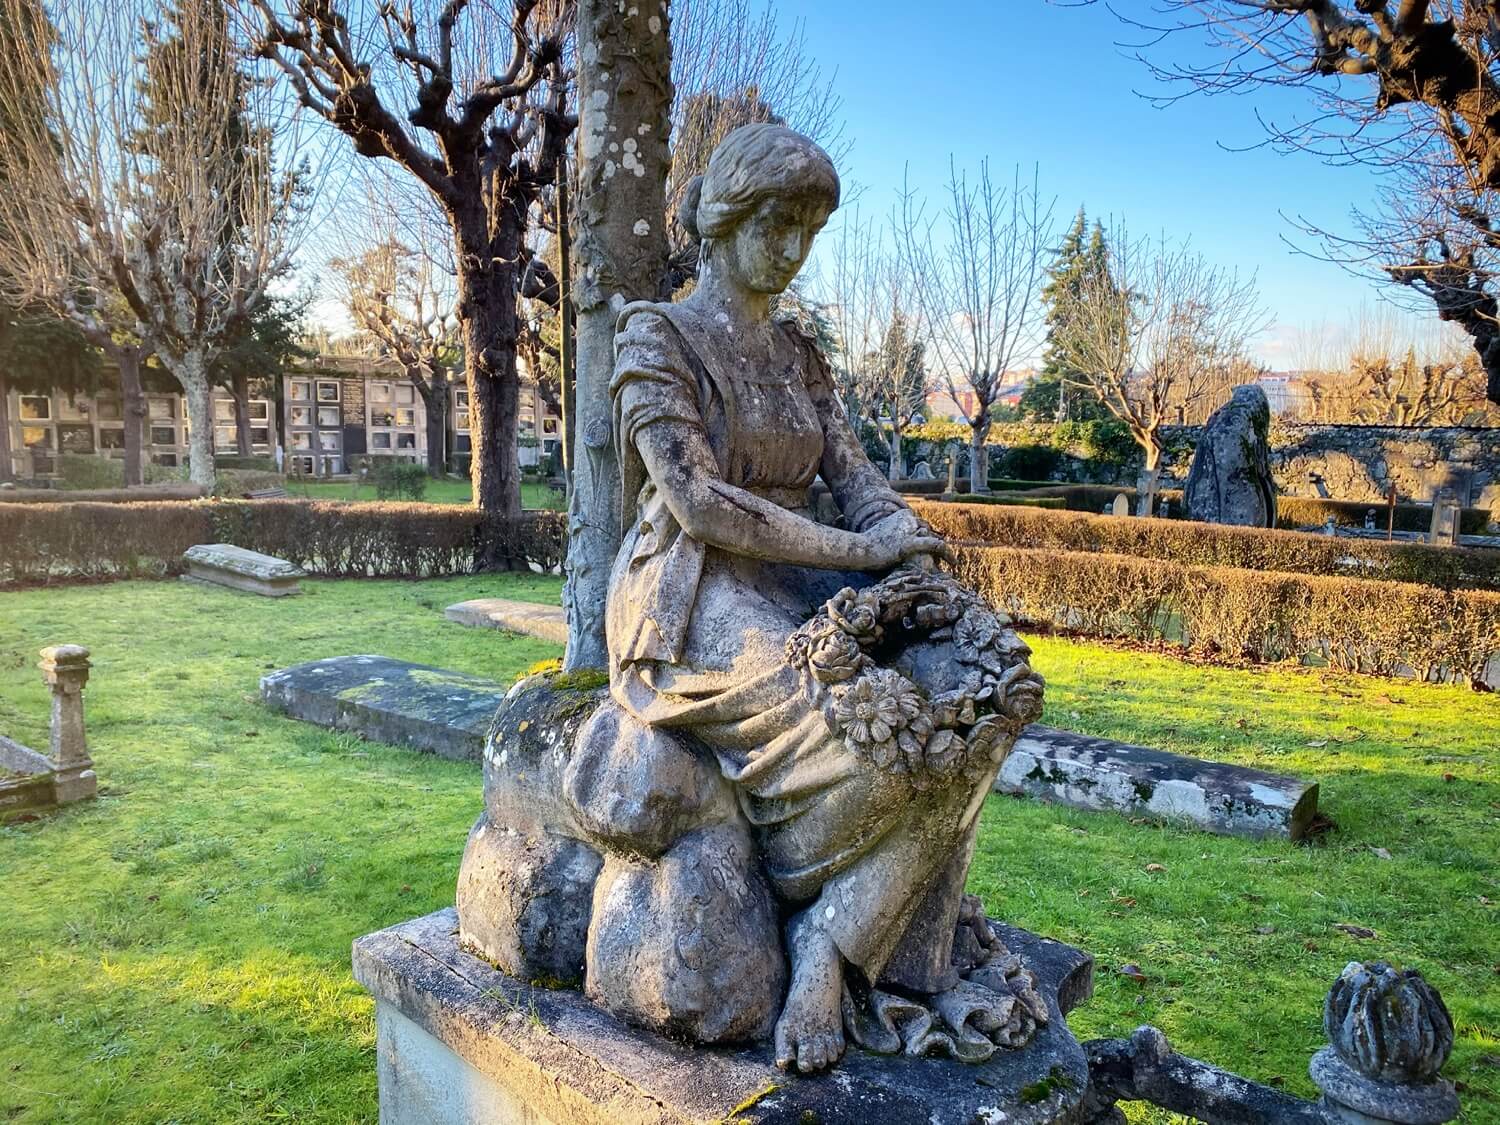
{"type": "Point", "coordinates": [942, 404]}
{"type": "Point", "coordinates": [332, 411]}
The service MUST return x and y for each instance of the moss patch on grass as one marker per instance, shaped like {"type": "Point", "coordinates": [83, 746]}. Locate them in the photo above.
{"type": "Point", "coordinates": [179, 949]}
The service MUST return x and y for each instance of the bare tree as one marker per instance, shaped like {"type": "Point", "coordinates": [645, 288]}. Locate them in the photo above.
{"type": "Point", "coordinates": [977, 271]}
{"type": "Point", "coordinates": [151, 191]}
{"type": "Point", "coordinates": [1411, 89]}
{"type": "Point", "coordinates": [1152, 335]}
{"type": "Point", "coordinates": [413, 83]}
{"type": "Point", "coordinates": [399, 297]}
{"type": "Point", "coordinates": [732, 65]}
{"type": "Point", "coordinates": [854, 289]}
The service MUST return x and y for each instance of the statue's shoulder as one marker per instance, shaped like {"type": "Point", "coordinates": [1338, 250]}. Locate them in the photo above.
{"type": "Point", "coordinates": [816, 367]}
{"type": "Point", "coordinates": [652, 313]}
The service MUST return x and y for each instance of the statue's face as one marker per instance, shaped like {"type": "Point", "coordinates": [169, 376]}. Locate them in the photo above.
{"type": "Point", "coordinates": [769, 246]}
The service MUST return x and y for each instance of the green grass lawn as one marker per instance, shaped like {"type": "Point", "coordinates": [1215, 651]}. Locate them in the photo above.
{"type": "Point", "coordinates": [178, 950]}
{"type": "Point", "coordinates": [533, 493]}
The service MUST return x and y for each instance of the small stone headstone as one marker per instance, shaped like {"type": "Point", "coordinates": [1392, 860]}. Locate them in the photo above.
{"type": "Point", "coordinates": [1330, 526]}
{"type": "Point", "coordinates": [1370, 520]}
{"type": "Point", "coordinates": [921, 471]}
{"type": "Point", "coordinates": [1120, 506]}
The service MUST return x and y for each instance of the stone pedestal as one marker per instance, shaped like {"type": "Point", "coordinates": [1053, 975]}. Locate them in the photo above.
{"type": "Point", "coordinates": [460, 1042]}
{"type": "Point", "coordinates": [66, 670]}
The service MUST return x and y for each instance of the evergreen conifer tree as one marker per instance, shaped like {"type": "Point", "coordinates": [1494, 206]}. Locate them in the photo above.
{"type": "Point", "coordinates": [1054, 395]}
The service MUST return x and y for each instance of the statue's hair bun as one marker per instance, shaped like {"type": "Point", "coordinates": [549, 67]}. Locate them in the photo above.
{"type": "Point", "coordinates": [687, 210]}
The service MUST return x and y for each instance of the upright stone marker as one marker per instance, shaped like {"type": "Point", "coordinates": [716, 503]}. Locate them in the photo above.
{"type": "Point", "coordinates": [1230, 481]}
{"type": "Point", "coordinates": [1121, 505]}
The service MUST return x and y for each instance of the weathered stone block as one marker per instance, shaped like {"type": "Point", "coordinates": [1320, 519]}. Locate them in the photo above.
{"type": "Point", "coordinates": [444, 713]}
{"type": "Point", "coordinates": [459, 1041]}
{"type": "Point", "coordinates": [525, 901]}
{"type": "Point", "coordinates": [224, 564]}
{"type": "Point", "coordinates": [690, 945]}
{"type": "Point", "coordinates": [1099, 773]}
{"type": "Point", "coordinates": [546, 622]}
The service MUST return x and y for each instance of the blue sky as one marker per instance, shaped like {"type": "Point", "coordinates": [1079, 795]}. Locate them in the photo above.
{"type": "Point", "coordinates": [1029, 82]}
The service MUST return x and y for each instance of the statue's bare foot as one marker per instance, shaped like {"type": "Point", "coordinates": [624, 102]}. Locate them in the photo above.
{"type": "Point", "coordinates": [810, 1032]}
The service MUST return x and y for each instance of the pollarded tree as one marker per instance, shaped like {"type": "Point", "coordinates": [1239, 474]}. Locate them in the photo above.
{"type": "Point", "coordinates": [1409, 88]}
{"type": "Point", "coordinates": [899, 382]}
{"type": "Point", "coordinates": [413, 84]}
{"type": "Point", "coordinates": [1152, 334]}
{"type": "Point", "coordinates": [976, 271]}
{"type": "Point", "coordinates": [399, 297]}
{"type": "Point", "coordinates": [153, 192]}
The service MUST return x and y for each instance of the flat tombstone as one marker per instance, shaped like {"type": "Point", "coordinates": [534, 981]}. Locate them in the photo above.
{"type": "Point", "coordinates": [1121, 506]}
{"type": "Point", "coordinates": [224, 564]}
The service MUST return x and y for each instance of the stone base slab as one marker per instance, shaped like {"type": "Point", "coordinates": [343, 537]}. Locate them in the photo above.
{"type": "Point", "coordinates": [1099, 773]}
{"type": "Point", "coordinates": [545, 622]}
{"type": "Point", "coordinates": [460, 1042]}
{"type": "Point", "coordinates": [384, 700]}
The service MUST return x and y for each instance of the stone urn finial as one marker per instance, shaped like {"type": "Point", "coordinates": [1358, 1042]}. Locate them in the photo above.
{"type": "Point", "coordinates": [1389, 1034]}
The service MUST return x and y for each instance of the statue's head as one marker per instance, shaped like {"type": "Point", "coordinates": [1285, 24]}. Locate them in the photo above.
{"type": "Point", "coordinates": [767, 192]}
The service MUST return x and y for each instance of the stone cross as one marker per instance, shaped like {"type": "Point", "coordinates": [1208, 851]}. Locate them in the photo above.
{"type": "Point", "coordinates": [66, 670]}
{"type": "Point", "coordinates": [952, 473]}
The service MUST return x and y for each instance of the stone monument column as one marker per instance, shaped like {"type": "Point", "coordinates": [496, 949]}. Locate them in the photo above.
{"type": "Point", "coordinates": [66, 670]}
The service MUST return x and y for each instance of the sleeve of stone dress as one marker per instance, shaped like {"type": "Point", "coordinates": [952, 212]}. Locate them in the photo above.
{"type": "Point", "coordinates": [653, 380]}
{"type": "Point", "coordinates": [860, 490]}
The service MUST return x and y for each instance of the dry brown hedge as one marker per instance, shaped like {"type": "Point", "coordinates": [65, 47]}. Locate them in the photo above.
{"type": "Point", "coordinates": [1357, 624]}
{"type": "Point", "coordinates": [1201, 544]}
{"type": "Point", "coordinates": [138, 494]}
{"type": "Point", "coordinates": [58, 542]}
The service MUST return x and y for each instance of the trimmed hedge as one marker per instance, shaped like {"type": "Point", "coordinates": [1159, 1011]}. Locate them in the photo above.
{"type": "Point", "coordinates": [102, 495]}
{"type": "Point", "coordinates": [1206, 544]}
{"type": "Point", "coordinates": [1010, 500]}
{"type": "Point", "coordinates": [1382, 628]}
{"type": "Point", "coordinates": [42, 543]}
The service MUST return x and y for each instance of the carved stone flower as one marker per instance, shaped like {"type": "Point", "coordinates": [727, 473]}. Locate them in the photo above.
{"type": "Point", "coordinates": [874, 711]}
{"type": "Point", "coordinates": [952, 709]}
{"type": "Point", "coordinates": [945, 753]}
{"type": "Point", "coordinates": [988, 742]}
{"type": "Point", "coordinates": [974, 633]}
{"type": "Point", "coordinates": [834, 657]}
{"type": "Point", "coordinates": [856, 613]}
{"type": "Point", "coordinates": [1021, 700]}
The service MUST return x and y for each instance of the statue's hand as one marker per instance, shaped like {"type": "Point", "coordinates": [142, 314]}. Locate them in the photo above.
{"type": "Point", "coordinates": [898, 537]}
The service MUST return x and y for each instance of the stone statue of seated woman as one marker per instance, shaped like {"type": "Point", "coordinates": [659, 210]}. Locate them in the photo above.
{"type": "Point", "coordinates": [762, 825]}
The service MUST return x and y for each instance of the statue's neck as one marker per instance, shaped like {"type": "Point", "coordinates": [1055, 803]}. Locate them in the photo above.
{"type": "Point", "coordinates": [718, 292]}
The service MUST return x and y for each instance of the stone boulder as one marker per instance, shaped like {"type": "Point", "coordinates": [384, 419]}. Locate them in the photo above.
{"type": "Point", "coordinates": [1230, 479]}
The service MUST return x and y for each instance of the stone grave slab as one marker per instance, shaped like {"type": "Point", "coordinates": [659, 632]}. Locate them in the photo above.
{"type": "Point", "coordinates": [430, 709]}
{"type": "Point", "coordinates": [1099, 773]}
{"type": "Point", "coordinates": [224, 564]}
{"type": "Point", "coordinates": [459, 1041]}
{"type": "Point", "coordinates": [546, 622]}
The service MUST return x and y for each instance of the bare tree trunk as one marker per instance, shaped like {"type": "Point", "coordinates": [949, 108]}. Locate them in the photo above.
{"type": "Point", "coordinates": [239, 389]}
{"type": "Point", "coordinates": [7, 470]}
{"type": "Point", "coordinates": [133, 411]}
{"type": "Point", "coordinates": [488, 324]}
{"type": "Point", "coordinates": [979, 457]}
{"type": "Point", "coordinates": [191, 372]}
{"type": "Point", "coordinates": [624, 91]}
{"type": "Point", "coordinates": [1145, 501]}
{"type": "Point", "coordinates": [435, 400]}
{"type": "Point", "coordinates": [894, 472]}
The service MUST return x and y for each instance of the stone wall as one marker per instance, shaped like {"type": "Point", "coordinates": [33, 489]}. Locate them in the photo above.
{"type": "Point", "coordinates": [1362, 462]}
{"type": "Point", "coordinates": [1355, 462]}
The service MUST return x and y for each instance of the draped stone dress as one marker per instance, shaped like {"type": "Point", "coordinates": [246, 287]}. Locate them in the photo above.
{"type": "Point", "coordinates": [698, 640]}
